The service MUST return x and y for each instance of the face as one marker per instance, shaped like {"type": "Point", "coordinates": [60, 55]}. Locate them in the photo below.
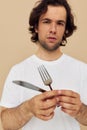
{"type": "Point", "coordinates": [51, 27]}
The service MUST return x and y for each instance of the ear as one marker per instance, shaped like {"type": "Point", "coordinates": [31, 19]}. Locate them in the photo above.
{"type": "Point", "coordinates": [36, 30]}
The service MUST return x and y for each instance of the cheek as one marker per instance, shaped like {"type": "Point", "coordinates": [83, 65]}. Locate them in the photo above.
{"type": "Point", "coordinates": [61, 31]}
{"type": "Point", "coordinates": [42, 33]}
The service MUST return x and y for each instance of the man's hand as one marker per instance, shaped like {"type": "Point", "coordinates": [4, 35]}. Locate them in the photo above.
{"type": "Point", "coordinates": [43, 105]}
{"type": "Point", "coordinates": [70, 102]}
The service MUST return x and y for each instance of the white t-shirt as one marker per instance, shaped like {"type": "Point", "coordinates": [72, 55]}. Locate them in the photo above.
{"type": "Point", "coordinates": [66, 73]}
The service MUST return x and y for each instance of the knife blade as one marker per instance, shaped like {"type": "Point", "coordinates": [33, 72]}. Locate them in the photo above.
{"type": "Point", "coordinates": [28, 85]}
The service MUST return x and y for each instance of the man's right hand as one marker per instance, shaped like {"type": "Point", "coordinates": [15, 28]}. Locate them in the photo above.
{"type": "Point", "coordinates": [42, 106]}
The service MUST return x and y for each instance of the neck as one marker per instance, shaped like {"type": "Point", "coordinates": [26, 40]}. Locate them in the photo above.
{"type": "Point", "coordinates": [48, 55]}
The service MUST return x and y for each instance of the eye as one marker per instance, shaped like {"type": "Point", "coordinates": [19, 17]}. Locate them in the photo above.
{"type": "Point", "coordinates": [46, 21]}
{"type": "Point", "coordinates": [61, 23]}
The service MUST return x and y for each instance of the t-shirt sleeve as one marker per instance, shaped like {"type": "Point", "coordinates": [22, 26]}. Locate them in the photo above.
{"type": "Point", "coordinates": [83, 90]}
{"type": "Point", "coordinates": [11, 96]}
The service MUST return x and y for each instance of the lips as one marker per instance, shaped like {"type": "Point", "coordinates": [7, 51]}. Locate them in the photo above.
{"type": "Point", "coordinates": [52, 39]}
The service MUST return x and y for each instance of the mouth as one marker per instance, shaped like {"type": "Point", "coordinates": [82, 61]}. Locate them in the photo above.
{"type": "Point", "coordinates": [52, 39]}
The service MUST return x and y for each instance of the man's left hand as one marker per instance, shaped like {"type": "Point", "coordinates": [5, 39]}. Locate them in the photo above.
{"type": "Point", "coordinates": [70, 102]}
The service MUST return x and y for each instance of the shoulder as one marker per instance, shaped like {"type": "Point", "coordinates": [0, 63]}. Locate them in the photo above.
{"type": "Point", "coordinates": [75, 61]}
{"type": "Point", "coordinates": [75, 65]}
{"type": "Point", "coordinates": [26, 63]}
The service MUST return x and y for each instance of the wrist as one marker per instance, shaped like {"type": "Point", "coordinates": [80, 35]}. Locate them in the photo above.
{"type": "Point", "coordinates": [81, 117]}
{"type": "Point", "coordinates": [80, 111]}
{"type": "Point", "coordinates": [26, 111]}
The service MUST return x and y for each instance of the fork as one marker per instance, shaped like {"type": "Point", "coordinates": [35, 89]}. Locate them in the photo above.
{"type": "Point", "coordinates": [46, 78]}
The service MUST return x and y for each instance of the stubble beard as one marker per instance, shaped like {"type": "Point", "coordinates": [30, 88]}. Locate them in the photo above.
{"type": "Point", "coordinates": [50, 48]}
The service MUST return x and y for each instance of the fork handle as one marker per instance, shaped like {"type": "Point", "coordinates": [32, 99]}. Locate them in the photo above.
{"type": "Point", "coordinates": [50, 87]}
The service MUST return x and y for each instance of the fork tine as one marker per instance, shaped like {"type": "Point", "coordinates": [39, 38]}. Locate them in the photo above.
{"type": "Point", "coordinates": [41, 73]}
{"type": "Point", "coordinates": [46, 78]}
{"type": "Point", "coordinates": [46, 72]}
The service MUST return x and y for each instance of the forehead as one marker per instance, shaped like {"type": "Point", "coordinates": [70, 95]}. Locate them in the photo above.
{"type": "Point", "coordinates": [55, 12]}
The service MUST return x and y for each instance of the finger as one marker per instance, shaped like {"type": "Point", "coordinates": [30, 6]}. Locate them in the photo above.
{"type": "Point", "coordinates": [69, 93]}
{"type": "Point", "coordinates": [49, 94]}
{"type": "Point", "coordinates": [47, 112]}
{"type": "Point", "coordinates": [68, 106]}
{"type": "Point", "coordinates": [44, 112]}
{"type": "Point", "coordinates": [48, 103]}
{"type": "Point", "coordinates": [47, 117]}
{"type": "Point", "coordinates": [70, 112]}
{"type": "Point", "coordinates": [66, 99]}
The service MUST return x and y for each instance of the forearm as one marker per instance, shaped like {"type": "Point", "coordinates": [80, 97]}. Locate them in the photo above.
{"type": "Point", "coordinates": [15, 118]}
{"type": "Point", "coordinates": [82, 115]}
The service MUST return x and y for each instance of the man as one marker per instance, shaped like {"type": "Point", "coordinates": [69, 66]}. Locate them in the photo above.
{"type": "Point", "coordinates": [51, 22]}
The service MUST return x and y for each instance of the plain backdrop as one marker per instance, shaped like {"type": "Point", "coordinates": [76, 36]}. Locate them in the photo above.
{"type": "Point", "coordinates": [15, 44]}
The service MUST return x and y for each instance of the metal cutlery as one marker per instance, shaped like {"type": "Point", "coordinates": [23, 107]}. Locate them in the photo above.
{"type": "Point", "coordinates": [28, 85]}
{"type": "Point", "coordinates": [46, 78]}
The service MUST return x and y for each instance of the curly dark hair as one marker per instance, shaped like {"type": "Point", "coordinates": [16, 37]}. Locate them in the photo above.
{"type": "Point", "coordinates": [41, 8]}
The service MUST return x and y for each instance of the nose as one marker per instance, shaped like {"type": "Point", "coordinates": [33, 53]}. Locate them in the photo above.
{"type": "Point", "coordinates": [53, 28]}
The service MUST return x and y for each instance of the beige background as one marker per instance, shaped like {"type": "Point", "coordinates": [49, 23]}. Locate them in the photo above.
{"type": "Point", "coordinates": [15, 44]}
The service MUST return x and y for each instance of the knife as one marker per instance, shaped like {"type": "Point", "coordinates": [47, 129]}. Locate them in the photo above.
{"type": "Point", "coordinates": [28, 85]}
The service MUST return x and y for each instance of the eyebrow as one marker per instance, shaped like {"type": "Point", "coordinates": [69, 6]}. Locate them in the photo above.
{"type": "Point", "coordinates": [61, 21]}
